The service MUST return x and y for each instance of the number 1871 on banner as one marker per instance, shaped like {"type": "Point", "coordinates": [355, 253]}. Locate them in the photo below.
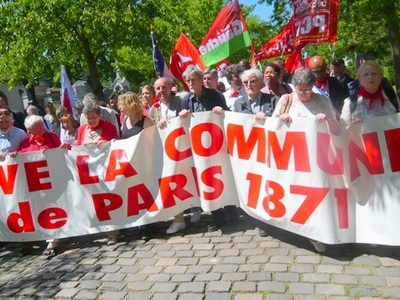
{"type": "Point", "coordinates": [313, 196]}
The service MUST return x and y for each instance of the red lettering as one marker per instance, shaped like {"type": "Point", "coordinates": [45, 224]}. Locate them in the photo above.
{"type": "Point", "coordinates": [323, 155]}
{"type": "Point", "coordinates": [7, 184]}
{"type": "Point", "coordinates": [52, 218]}
{"type": "Point", "coordinates": [275, 194]}
{"type": "Point", "coordinates": [295, 141]}
{"type": "Point", "coordinates": [371, 157]}
{"type": "Point", "coordinates": [314, 197]}
{"type": "Point", "coordinates": [209, 179]}
{"type": "Point", "coordinates": [104, 203]}
{"type": "Point", "coordinates": [119, 157]}
{"type": "Point", "coordinates": [254, 189]}
{"type": "Point", "coordinates": [393, 147]}
{"type": "Point", "coordinates": [235, 134]}
{"type": "Point", "coordinates": [343, 209]}
{"type": "Point", "coordinates": [215, 134]}
{"type": "Point", "coordinates": [33, 176]}
{"type": "Point", "coordinates": [171, 187]}
{"type": "Point", "coordinates": [23, 221]}
{"type": "Point", "coordinates": [82, 164]}
{"type": "Point", "coordinates": [133, 200]}
{"type": "Point", "coordinates": [171, 147]}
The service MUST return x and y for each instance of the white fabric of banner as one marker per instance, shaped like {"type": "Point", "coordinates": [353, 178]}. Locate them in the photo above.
{"type": "Point", "coordinates": [335, 189]}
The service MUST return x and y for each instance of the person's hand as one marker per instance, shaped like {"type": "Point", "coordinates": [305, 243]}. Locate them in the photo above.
{"type": "Point", "coordinates": [320, 117]}
{"type": "Point", "coordinates": [184, 113]}
{"type": "Point", "coordinates": [13, 154]}
{"type": "Point", "coordinates": [260, 116]}
{"type": "Point", "coordinates": [286, 118]}
{"type": "Point", "coordinates": [2, 155]}
{"type": "Point", "coordinates": [218, 110]}
{"type": "Point", "coordinates": [64, 146]}
{"type": "Point", "coordinates": [161, 123]}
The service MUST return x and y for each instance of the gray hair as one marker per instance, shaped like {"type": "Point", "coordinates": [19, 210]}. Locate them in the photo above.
{"type": "Point", "coordinates": [251, 72]}
{"type": "Point", "coordinates": [303, 76]}
{"type": "Point", "coordinates": [78, 105]}
{"type": "Point", "coordinates": [90, 97]}
{"type": "Point", "coordinates": [231, 70]}
{"type": "Point", "coordinates": [33, 109]}
{"type": "Point", "coordinates": [91, 107]}
{"type": "Point", "coordinates": [31, 120]}
{"type": "Point", "coordinates": [193, 71]}
{"type": "Point", "coordinates": [212, 72]}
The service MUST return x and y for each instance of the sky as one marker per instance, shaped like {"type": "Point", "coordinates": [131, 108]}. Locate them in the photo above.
{"type": "Point", "coordinates": [264, 11]}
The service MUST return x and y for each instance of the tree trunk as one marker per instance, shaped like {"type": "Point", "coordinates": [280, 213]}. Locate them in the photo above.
{"type": "Point", "coordinates": [392, 24]}
{"type": "Point", "coordinates": [97, 87]}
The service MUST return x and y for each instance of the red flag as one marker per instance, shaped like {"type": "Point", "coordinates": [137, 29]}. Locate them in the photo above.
{"type": "Point", "coordinates": [184, 55]}
{"type": "Point", "coordinates": [294, 62]}
{"type": "Point", "coordinates": [66, 102]}
{"type": "Point", "coordinates": [221, 66]}
{"type": "Point", "coordinates": [315, 21]}
{"type": "Point", "coordinates": [68, 96]}
{"type": "Point", "coordinates": [282, 44]}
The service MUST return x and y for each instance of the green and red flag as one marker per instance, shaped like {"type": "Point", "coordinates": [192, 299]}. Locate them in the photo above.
{"type": "Point", "coordinates": [227, 35]}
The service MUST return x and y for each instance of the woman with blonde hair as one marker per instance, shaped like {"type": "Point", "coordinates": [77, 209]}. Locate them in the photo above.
{"type": "Point", "coordinates": [134, 121]}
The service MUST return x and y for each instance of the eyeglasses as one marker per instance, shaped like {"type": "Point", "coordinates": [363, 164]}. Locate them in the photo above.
{"type": "Point", "coordinates": [304, 91]}
{"type": "Point", "coordinates": [251, 82]}
{"type": "Point", "coordinates": [5, 113]}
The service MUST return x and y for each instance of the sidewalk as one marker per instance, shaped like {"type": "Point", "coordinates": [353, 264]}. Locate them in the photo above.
{"type": "Point", "coordinates": [198, 265]}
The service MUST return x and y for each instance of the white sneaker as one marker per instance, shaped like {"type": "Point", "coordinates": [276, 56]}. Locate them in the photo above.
{"type": "Point", "coordinates": [175, 227]}
{"type": "Point", "coordinates": [319, 247]}
{"type": "Point", "coordinates": [195, 217]}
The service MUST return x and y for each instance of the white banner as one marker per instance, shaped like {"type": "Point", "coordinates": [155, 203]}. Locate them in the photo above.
{"type": "Point", "coordinates": [299, 178]}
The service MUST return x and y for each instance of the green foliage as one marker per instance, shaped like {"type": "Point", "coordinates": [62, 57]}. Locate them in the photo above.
{"type": "Point", "coordinates": [100, 36]}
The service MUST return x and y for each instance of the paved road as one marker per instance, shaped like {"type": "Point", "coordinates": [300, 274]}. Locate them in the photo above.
{"type": "Point", "coordinates": [196, 265]}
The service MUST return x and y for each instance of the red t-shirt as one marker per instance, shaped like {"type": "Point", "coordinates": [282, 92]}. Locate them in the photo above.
{"type": "Point", "coordinates": [48, 140]}
{"type": "Point", "coordinates": [103, 132]}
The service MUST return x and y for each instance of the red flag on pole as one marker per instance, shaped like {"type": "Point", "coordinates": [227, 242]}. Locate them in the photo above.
{"type": "Point", "coordinates": [315, 21]}
{"type": "Point", "coordinates": [294, 62]}
{"type": "Point", "coordinates": [68, 96]}
{"type": "Point", "coordinates": [282, 44]}
{"type": "Point", "coordinates": [184, 55]}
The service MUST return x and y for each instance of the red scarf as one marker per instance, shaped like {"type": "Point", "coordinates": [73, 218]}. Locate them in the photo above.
{"type": "Point", "coordinates": [322, 83]}
{"type": "Point", "coordinates": [235, 94]}
{"type": "Point", "coordinates": [378, 95]}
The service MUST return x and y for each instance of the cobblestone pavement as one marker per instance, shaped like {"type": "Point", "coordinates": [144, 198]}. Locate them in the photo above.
{"type": "Point", "coordinates": [196, 265]}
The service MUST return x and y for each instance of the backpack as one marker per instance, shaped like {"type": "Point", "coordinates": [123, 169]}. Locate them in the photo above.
{"type": "Point", "coordinates": [389, 93]}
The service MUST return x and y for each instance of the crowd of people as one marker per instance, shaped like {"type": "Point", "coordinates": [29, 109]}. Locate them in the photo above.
{"type": "Point", "coordinates": [317, 92]}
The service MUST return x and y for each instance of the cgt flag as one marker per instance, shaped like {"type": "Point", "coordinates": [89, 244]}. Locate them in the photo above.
{"type": "Point", "coordinates": [184, 55]}
{"type": "Point", "coordinates": [227, 35]}
{"type": "Point", "coordinates": [68, 96]}
{"type": "Point", "coordinates": [160, 67]}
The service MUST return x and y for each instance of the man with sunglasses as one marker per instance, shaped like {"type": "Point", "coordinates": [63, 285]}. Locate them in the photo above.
{"type": "Point", "coordinates": [10, 136]}
{"type": "Point", "coordinates": [327, 85]}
